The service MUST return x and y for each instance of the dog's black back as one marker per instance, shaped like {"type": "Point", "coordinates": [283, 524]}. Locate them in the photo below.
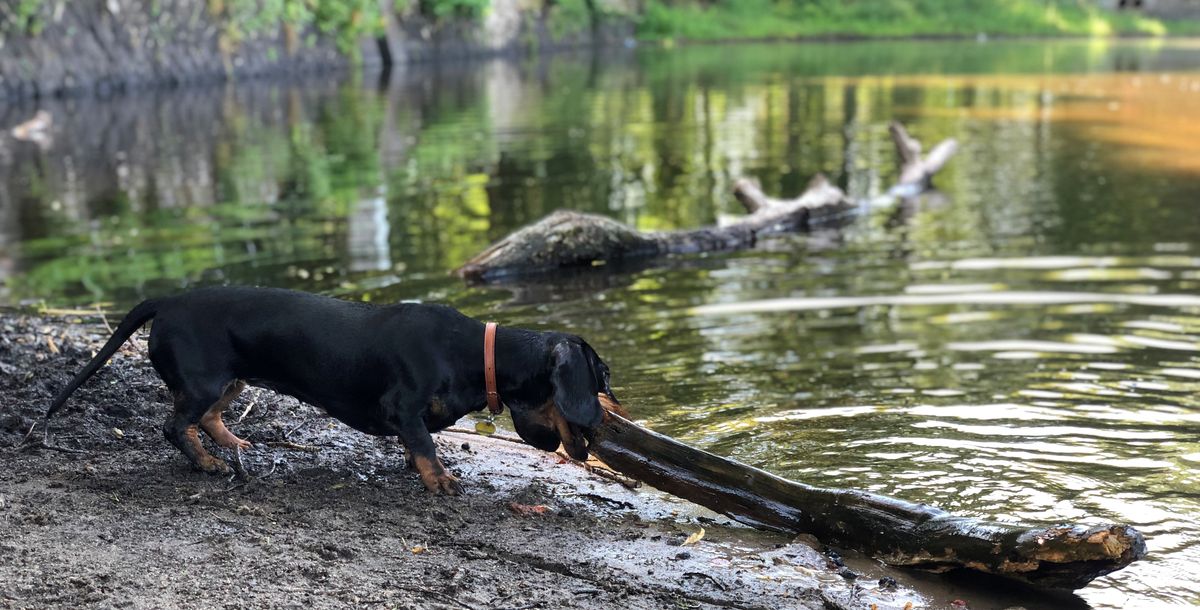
{"type": "Point", "coordinates": [338, 355]}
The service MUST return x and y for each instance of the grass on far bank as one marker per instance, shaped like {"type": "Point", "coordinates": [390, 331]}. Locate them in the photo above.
{"type": "Point", "coordinates": [750, 19]}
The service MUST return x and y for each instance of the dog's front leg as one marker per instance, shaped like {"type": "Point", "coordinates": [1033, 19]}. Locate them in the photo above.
{"type": "Point", "coordinates": [420, 451]}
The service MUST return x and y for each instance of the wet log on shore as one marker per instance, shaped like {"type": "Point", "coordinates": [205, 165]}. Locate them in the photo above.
{"type": "Point", "coordinates": [575, 239]}
{"type": "Point", "coordinates": [893, 531]}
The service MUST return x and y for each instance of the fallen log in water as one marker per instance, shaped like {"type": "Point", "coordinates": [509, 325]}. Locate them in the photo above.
{"type": "Point", "coordinates": [575, 239]}
{"type": "Point", "coordinates": [893, 531]}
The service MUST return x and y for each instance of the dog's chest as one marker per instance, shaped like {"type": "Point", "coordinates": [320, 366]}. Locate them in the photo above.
{"type": "Point", "coordinates": [442, 413]}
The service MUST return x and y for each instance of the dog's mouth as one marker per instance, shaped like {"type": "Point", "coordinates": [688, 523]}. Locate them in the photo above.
{"type": "Point", "coordinates": [546, 428]}
{"type": "Point", "coordinates": [576, 439]}
{"type": "Point", "coordinates": [573, 437]}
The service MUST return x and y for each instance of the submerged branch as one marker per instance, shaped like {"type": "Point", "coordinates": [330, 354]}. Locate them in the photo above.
{"type": "Point", "coordinates": [575, 239]}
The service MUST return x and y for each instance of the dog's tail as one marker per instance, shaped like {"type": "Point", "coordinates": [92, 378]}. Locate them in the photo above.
{"type": "Point", "coordinates": [133, 320]}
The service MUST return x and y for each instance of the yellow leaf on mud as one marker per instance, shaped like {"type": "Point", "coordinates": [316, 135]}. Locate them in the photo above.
{"type": "Point", "coordinates": [51, 345]}
{"type": "Point", "coordinates": [694, 538]}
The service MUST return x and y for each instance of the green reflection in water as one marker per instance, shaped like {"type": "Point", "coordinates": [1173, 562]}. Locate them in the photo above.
{"type": "Point", "coordinates": [940, 362]}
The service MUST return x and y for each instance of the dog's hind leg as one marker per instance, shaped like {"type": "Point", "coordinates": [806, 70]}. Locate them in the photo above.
{"type": "Point", "coordinates": [212, 423]}
{"type": "Point", "coordinates": [184, 363]}
{"type": "Point", "coordinates": [182, 429]}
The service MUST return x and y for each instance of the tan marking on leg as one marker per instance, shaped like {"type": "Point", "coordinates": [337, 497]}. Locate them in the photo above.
{"type": "Point", "coordinates": [435, 477]}
{"type": "Point", "coordinates": [428, 470]}
{"type": "Point", "coordinates": [201, 457]}
{"type": "Point", "coordinates": [215, 426]}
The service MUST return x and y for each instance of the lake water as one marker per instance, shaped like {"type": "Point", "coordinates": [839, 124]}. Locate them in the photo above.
{"type": "Point", "coordinates": [1023, 346]}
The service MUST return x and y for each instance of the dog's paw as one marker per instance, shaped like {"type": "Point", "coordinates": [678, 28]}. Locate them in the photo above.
{"type": "Point", "coordinates": [444, 483]}
{"type": "Point", "coordinates": [223, 437]}
{"type": "Point", "coordinates": [234, 443]}
{"type": "Point", "coordinates": [213, 465]}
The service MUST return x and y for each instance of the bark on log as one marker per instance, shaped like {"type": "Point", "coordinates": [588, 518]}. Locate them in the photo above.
{"type": "Point", "coordinates": [575, 239]}
{"type": "Point", "coordinates": [896, 532]}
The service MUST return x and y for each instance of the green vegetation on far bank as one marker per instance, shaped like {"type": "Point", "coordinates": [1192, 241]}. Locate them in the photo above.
{"type": "Point", "coordinates": [763, 19]}
{"type": "Point", "coordinates": [350, 22]}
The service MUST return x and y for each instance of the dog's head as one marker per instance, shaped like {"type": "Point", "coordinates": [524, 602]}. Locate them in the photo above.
{"type": "Point", "coordinates": [578, 378]}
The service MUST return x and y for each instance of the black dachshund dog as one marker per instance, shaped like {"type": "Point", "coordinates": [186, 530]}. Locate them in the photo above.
{"type": "Point", "coordinates": [405, 370]}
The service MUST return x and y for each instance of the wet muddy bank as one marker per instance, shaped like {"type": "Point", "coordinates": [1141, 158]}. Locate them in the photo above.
{"type": "Point", "coordinates": [336, 520]}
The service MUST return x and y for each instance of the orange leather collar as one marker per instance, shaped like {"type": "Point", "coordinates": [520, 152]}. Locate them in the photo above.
{"type": "Point", "coordinates": [489, 369]}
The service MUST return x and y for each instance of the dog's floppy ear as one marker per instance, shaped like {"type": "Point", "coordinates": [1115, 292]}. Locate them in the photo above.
{"type": "Point", "coordinates": [575, 385]}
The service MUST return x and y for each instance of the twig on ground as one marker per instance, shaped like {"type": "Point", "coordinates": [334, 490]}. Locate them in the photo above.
{"type": "Point", "coordinates": [274, 465]}
{"type": "Point", "coordinates": [27, 442]}
{"type": "Point", "coordinates": [617, 503]}
{"type": "Point", "coordinates": [492, 436]}
{"type": "Point", "coordinates": [294, 429]}
{"type": "Point", "coordinates": [45, 445]}
{"type": "Point", "coordinates": [612, 475]}
{"type": "Point", "coordinates": [246, 411]}
{"type": "Point", "coordinates": [239, 468]}
{"type": "Point", "coordinates": [28, 435]}
{"type": "Point", "coordinates": [526, 606]}
{"type": "Point", "coordinates": [293, 446]}
{"type": "Point", "coordinates": [432, 593]}
{"type": "Point", "coordinates": [604, 473]}
{"type": "Point", "coordinates": [103, 318]}
{"type": "Point", "coordinates": [714, 580]}
{"type": "Point", "coordinates": [495, 603]}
